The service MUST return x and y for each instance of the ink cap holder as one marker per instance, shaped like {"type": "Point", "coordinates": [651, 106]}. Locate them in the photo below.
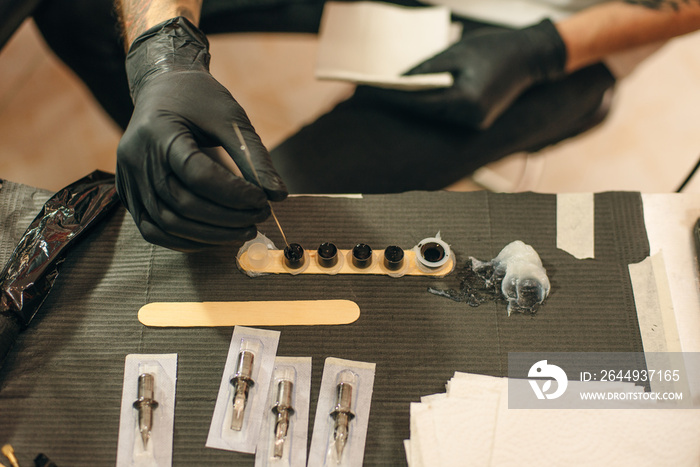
{"type": "Point", "coordinates": [430, 257]}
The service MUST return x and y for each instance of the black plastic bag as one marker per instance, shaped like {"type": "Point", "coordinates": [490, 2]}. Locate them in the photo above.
{"type": "Point", "coordinates": [33, 266]}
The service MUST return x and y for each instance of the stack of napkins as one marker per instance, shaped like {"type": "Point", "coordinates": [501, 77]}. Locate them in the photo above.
{"type": "Point", "coordinates": [471, 425]}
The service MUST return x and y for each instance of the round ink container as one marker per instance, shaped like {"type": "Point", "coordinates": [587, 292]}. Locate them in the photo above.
{"type": "Point", "coordinates": [393, 258]}
{"type": "Point", "coordinates": [432, 253]}
{"type": "Point", "coordinates": [327, 255]}
{"type": "Point", "coordinates": [329, 259]}
{"type": "Point", "coordinates": [258, 256]}
{"type": "Point", "coordinates": [361, 256]}
{"type": "Point", "coordinates": [295, 258]}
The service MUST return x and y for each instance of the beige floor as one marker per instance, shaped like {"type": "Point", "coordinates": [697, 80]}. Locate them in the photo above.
{"type": "Point", "coordinates": [52, 132]}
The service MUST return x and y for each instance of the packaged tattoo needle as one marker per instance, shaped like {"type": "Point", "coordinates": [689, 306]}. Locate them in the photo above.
{"type": "Point", "coordinates": [285, 427]}
{"type": "Point", "coordinates": [147, 411]}
{"type": "Point", "coordinates": [342, 413]}
{"type": "Point", "coordinates": [235, 425]}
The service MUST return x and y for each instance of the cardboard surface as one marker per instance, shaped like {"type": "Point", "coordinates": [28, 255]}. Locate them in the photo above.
{"type": "Point", "coordinates": [60, 387]}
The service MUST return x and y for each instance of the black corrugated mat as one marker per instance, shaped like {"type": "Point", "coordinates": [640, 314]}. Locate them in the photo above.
{"type": "Point", "coordinates": [60, 388]}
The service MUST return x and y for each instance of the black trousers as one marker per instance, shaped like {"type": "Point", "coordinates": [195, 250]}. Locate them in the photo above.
{"type": "Point", "coordinates": [361, 146]}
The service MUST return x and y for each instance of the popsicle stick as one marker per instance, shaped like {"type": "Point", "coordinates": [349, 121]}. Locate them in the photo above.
{"type": "Point", "coordinates": [254, 313]}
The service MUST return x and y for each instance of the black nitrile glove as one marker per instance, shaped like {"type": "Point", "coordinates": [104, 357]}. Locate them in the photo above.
{"type": "Point", "coordinates": [180, 197]}
{"type": "Point", "coordinates": [491, 68]}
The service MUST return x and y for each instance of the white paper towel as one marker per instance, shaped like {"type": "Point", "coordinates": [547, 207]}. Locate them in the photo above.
{"type": "Point", "coordinates": [473, 426]}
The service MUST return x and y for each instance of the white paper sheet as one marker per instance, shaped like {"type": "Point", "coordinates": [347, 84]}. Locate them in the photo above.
{"type": "Point", "coordinates": [669, 219]}
{"type": "Point", "coordinates": [481, 430]}
{"type": "Point", "coordinates": [375, 43]}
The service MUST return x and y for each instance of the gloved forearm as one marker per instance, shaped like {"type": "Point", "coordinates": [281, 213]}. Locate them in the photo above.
{"type": "Point", "coordinates": [491, 68]}
{"type": "Point", "coordinates": [179, 196]}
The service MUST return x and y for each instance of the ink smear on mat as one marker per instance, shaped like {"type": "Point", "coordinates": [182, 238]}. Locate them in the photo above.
{"type": "Point", "coordinates": [515, 275]}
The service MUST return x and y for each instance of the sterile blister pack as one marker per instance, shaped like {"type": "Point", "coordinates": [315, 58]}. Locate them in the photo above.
{"type": "Point", "coordinates": [147, 411]}
{"type": "Point", "coordinates": [284, 429]}
{"type": "Point", "coordinates": [342, 413]}
{"type": "Point", "coordinates": [240, 404]}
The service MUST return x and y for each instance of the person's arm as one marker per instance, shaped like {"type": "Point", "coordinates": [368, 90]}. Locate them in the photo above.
{"type": "Point", "coordinates": [178, 195]}
{"type": "Point", "coordinates": [136, 16]}
{"type": "Point", "coordinates": [608, 28]}
{"type": "Point", "coordinates": [493, 66]}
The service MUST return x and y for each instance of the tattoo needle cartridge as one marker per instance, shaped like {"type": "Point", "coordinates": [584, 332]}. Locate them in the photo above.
{"type": "Point", "coordinates": [146, 404]}
{"type": "Point", "coordinates": [242, 381]}
{"type": "Point", "coordinates": [342, 414]}
{"type": "Point", "coordinates": [283, 410]}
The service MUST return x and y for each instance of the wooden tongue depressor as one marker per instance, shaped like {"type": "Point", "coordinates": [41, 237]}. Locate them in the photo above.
{"type": "Point", "coordinates": [257, 313]}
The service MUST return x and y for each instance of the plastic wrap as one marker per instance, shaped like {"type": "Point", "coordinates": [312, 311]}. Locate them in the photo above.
{"type": "Point", "coordinates": [33, 266]}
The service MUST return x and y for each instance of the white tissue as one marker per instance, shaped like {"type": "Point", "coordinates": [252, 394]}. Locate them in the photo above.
{"type": "Point", "coordinates": [474, 426]}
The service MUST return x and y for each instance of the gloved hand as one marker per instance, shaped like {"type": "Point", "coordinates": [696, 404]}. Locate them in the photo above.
{"type": "Point", "coordinates": [491, 68]}
{"type": "Point", "coordinates": [179, 196]}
